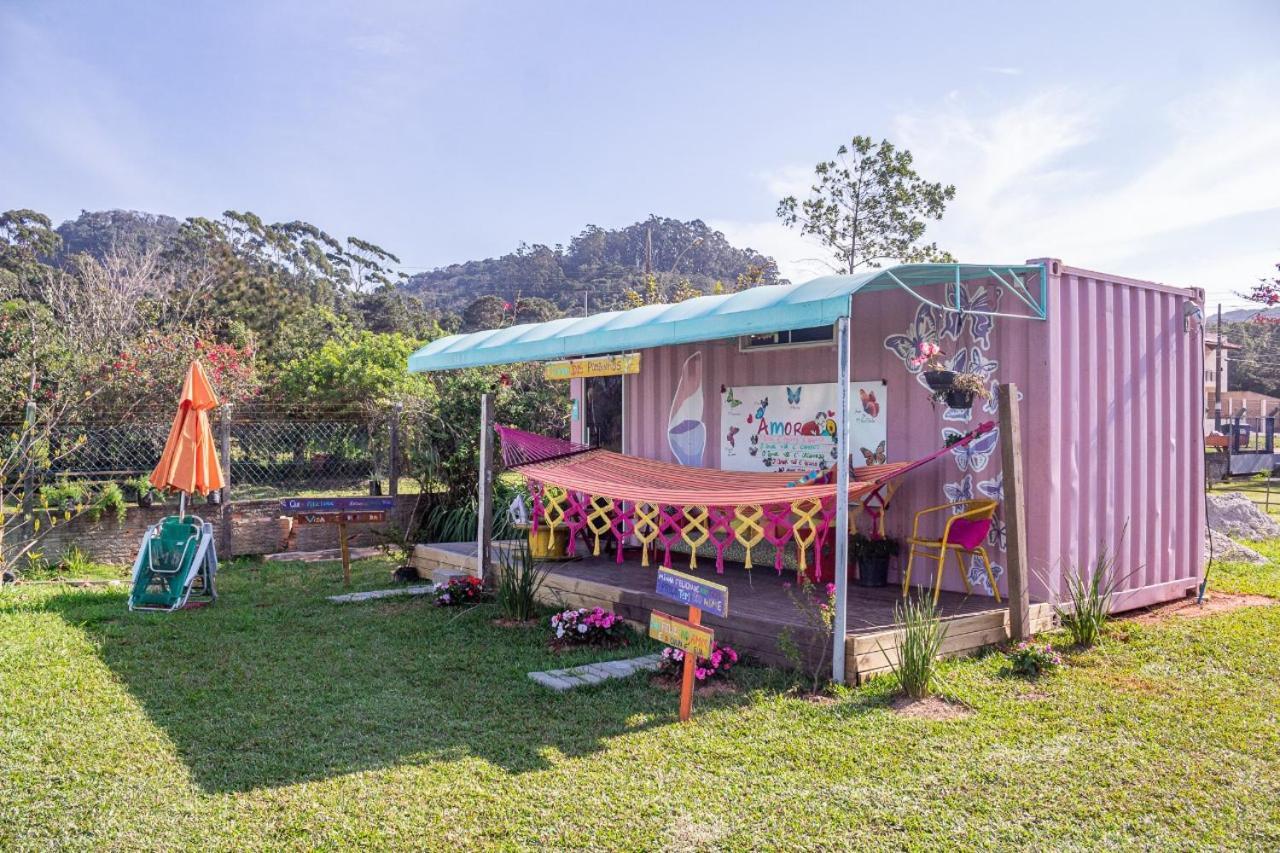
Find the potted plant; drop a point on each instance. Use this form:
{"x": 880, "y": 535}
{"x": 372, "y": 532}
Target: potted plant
{"x": 140, "y": 490}
{"x": 936, "y": 374}
{"x": 964, "y": 387}
{"x": 872, "y": 556}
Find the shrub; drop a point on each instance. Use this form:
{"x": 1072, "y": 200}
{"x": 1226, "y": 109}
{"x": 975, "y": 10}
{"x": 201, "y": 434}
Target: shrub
{"x": 585, "y": 627}
{"x": 64, "y": 494}
{"x": 922, "y": 633}
{"x": 1090, "y": 597}
{"x": 110, "y": 499}
{"x": 460, "y": 590}
{"x": 817, "y": 610}
{"x": 519, "y": 579}
{"x": 1030, "y": 660}
{"x": 717, "y": 666}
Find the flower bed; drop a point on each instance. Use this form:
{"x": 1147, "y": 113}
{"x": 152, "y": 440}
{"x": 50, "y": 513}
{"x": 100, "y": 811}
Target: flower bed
{"x": 583, "y": 627}
{"x": 459, "y": 591}
{"x": 1030, "y": 660}
{"x": 715, "y": 667}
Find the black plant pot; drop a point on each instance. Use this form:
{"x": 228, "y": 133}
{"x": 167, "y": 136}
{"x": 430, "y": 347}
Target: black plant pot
{"x": 939, "y": 380}
{"x": 873, "y": 571}
{"x": 957, "y": 399}
{"x": 147, "y": 498}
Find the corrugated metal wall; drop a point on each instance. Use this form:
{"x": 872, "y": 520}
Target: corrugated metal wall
{"x": 1111, "y": 419}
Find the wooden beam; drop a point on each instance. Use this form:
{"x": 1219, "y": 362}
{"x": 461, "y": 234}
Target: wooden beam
{"x": 484, "y": 498}
{"x": 1015, "y": 513}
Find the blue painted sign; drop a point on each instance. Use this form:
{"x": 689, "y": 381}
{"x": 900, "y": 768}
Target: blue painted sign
{"x": 694, "y": 592}
{"x": 337, "y": 504}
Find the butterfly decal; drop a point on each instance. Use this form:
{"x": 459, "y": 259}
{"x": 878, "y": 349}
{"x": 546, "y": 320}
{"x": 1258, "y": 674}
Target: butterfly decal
{"x": 993, "y": 488}
{"x": 733, "y": 401}
{"x": 978, "y": 574}
{"x": 922, "y": 330}
{"x": 733, "y": 431}
{"x": 878, "y": 457}
{"x": 869, "y": 403}
{"x": 997, "y": 536}
{"x": 961, "y": 491}
{"x": 975, "y": 455}
{"x": 760, "y": 407}
{"x": 981, "y": 299}
{"x": 793, "y": 394}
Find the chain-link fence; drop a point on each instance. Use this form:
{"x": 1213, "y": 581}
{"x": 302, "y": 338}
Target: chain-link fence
{"x": 266, "y": 455}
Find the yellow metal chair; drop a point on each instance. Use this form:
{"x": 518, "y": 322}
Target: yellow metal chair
{"x": 963, "y": 534}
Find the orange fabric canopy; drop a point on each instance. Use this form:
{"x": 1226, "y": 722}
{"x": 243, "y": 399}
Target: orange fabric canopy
{"x": 189, "y": 462}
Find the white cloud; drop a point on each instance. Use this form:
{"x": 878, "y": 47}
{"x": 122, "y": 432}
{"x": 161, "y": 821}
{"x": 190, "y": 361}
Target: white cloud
{"x": 1062, "y": 173}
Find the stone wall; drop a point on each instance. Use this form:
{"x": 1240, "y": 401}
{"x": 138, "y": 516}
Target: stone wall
{"x": 255, "y": 530}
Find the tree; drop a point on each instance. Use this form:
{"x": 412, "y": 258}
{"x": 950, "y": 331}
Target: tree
{"x": 487, "y": 312}
{"x": 869, "y": 205}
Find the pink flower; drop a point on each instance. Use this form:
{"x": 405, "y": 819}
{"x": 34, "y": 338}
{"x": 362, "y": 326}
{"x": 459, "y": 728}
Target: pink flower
{"x": 700, "y": 673}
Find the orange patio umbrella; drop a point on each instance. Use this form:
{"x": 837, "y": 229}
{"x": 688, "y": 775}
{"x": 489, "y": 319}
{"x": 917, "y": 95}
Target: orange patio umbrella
{"x": 189, "y": 463}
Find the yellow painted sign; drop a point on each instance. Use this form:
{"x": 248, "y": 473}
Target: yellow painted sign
{"x": 680, "y": 633}
{"x": 580, "y": 368}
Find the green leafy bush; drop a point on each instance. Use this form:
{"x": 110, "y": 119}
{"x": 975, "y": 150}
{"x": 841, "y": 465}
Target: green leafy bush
{"x": 922, "y": 633}
{"x": 1090, "y": 595}
{"x": 520, "y": 577}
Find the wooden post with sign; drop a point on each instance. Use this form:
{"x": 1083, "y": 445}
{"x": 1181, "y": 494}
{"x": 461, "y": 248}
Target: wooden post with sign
{"x": 339, "y": 512}
{"x": 688, "y": 635}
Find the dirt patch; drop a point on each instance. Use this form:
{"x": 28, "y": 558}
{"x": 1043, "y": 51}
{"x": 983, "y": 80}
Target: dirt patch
{"x": 1033, "y": 696}
{"x": 1186, "y": 608}
{"x": 504, "y": 622}
{"x": 671, "y": 684}
{"x": 930, "y": 708}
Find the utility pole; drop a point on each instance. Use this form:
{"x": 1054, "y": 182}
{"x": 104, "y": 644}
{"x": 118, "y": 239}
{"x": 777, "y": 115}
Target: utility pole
{"x": 648, "y": 252}
{"x": 1217, "y": 376}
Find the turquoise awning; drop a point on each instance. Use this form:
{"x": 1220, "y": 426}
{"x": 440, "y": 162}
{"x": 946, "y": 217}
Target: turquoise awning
{"x": 760, "y": 309}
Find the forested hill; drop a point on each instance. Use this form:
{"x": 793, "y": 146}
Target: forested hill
{"x": 601, "y": 261}
{"x": 604, "y": 262}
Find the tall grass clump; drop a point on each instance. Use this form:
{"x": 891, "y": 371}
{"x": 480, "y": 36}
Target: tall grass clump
{"x": 921, "y": 633}
{"x": 1090, "y": 593}
{"x": 520, "y": 577}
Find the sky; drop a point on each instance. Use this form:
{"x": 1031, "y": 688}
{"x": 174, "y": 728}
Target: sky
{"x": 1141, "y": 139}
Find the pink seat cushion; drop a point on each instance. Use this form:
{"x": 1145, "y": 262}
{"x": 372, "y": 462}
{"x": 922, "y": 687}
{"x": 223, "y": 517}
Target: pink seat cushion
{"x": 969, "y": 533}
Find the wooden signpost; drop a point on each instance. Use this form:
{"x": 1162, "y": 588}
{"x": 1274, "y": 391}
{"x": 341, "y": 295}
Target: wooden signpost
{"x": 336, "y": 511}
{"x": 688, "y": 634}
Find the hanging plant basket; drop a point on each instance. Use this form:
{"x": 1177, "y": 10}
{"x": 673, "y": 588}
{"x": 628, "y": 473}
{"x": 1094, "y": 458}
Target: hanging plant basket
{"x": 958, "y": 399}
{"x": 939, "y": 380}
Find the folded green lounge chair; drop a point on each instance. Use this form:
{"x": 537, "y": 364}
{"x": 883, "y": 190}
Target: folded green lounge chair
{"x": 177, "y": 557}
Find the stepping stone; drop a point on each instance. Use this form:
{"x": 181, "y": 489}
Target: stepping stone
{"x": 561, "y": 680}
{"x": 350, "y": 597}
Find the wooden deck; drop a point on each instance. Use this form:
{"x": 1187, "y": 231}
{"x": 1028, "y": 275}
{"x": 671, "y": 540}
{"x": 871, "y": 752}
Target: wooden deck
{"x": 760, "y": 607}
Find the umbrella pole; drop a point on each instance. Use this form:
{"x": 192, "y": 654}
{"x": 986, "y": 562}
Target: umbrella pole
{"x": 182, "y": 504}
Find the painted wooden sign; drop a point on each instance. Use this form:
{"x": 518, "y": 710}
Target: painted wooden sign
{"x": 680, "y": 633}
{"x": 693, "y": 591}
{"x": 373, "y": 517}
{"x": 356, "y": 504}
{"x": 579, "y": 368}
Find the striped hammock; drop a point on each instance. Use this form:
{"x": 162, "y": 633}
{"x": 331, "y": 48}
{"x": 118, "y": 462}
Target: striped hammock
{"x": 598, "y": 493}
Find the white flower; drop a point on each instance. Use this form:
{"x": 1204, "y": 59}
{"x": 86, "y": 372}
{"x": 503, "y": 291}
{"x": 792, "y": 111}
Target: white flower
{"x": 582, "y": 629}
{"x": 559, "y": 632}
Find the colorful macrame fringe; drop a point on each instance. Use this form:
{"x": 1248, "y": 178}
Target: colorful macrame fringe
{"x": 597, "y": 494}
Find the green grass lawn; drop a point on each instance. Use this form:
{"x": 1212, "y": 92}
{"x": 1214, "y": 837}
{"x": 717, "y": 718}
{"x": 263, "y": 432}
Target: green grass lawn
{"x": 275, "y": 719}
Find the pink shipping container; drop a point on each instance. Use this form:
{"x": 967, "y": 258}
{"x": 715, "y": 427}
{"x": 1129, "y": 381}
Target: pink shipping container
{"x": 1111, "y": 409}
